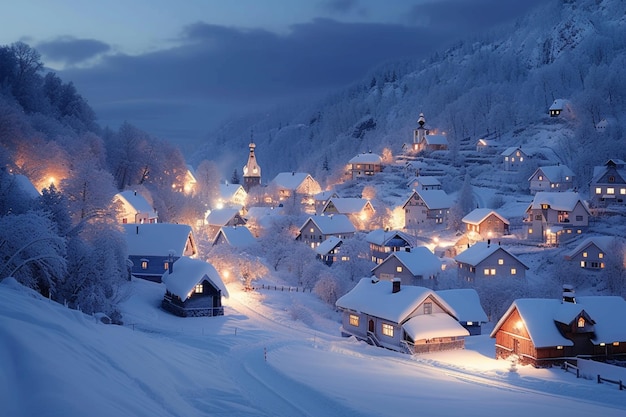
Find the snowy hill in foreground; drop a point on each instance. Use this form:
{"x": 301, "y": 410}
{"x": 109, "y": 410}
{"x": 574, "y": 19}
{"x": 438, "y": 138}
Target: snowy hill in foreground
{"x": 254, "y": 361}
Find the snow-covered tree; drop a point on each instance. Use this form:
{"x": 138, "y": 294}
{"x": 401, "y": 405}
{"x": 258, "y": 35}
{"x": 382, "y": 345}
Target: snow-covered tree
{"x": 90, "y": 192}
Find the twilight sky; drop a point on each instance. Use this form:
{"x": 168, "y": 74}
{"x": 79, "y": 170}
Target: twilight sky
{"x": 178, "y": 68}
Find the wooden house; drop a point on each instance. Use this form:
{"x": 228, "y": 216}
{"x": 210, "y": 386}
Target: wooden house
{"x": 466, "y": 304}
{"x": 608, "y": 184}
{"x": 560, "y": 107}
{"x": 484, "y": 260}
{"x": 298, "y": 186}
{"x": 231, "y": 195}
{"x": 426, "y": 210}
{"x": 359, "y": 210}
{"x": 486, "y": 223}
{"x": 403, "y": 318}
{"x": 193, "y": 288}
{"x": 424, "y": 182}
{"x": 413, "y": 266}
{"x": 322, "y": 198}
{"x": 544, "y": 332}
{"x": 150, "y": 246}
{"x": 219, "y": 218}
{"x": 133, "y": 208}
{"x": 190, "y": 182}
{"x": 329, "y": 251}
{"x": 238, "y": 237}
{"x": 384, "y": 242}
{"x": 556, "y": 217}
{"x": 591, "y": 253}
{"x": 486, "y": 146}
{"x": 365, "y": 165}
{"x": 317, "y": 229}
{"x": 551, "y": 178}
{"x": 514, "y": 158}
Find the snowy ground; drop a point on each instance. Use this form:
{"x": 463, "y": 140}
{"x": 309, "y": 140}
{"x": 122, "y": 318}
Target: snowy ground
{"x": 272, "y": 354}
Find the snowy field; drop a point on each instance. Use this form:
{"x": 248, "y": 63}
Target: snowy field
{"x": 272, "y": 354}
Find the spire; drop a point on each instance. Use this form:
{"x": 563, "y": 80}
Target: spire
{"x": 251, "y": 171}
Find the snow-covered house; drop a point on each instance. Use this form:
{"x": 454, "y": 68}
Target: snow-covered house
{"x": 608, "y": 185}
{"x": 424, "y": 140}
{"x": 466, "y": 304}
{"x": 24, "y": 184}
{"x": 404, "y": 318}
{"x": 542, "y": 332}
{"x": 592, "y": 252}
{"x": 486, "y": 222}
{"x": 295, "y": 185}
{"x": 551, "y": 178}
{"x": 383, "y": 242}
{"x": 514, "y": 158}
{"x": 365, "y": 165}
{"x": 134, "y": 208}
{"x": 486, "y": 146}
{"x": 413, "y": 266}
{"x": 259, "y": 217}
{"x": 317, "y": 229}
{"x": 426, "y": 209}
{"x": 358, "y": 210}
{"x": 559, "y": 106}
{"x": 320, "y": 199}
{"x": 486, "y": 260}
{"x": 189, "y": 187}
{"x": 223, "y": 217}
{"x": 150, "y": 246}
{"x": 193, "y": 288}
{"x": 236, "y": 236}
{"x": 329, "y": 251}
{"x": 424, "y": 182}
{"x": 231, "y": 195}
{"x": 556, "y": 217}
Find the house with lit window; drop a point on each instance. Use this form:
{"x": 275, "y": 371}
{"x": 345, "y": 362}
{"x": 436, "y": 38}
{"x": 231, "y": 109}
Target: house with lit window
{"x": 384, "y": 242}
{"x": 219, "y": 218}
{"x": 544, "y": 332}
{"x": 466, "y": 304}
{"x": 412, "y": 266}
{"x": 424, "y": 182}
{"x": 231, "y": 195}
{"x": 329, "y": 251}
{"x": 133, "y": 208}
{"x": 591, "y": 253}
{"x": 514, "y": 158}
{"x": 191, "y": 181}
{"x": 359, "y": 210}
{"x": 484, "y": 260}
{"x": 425, "y": 139}
{"x": 365, "y": 165}
{"x": 486, "y": 146}
{"x": 193, "y": 288}
{"x": 151, "y": 245}
{"x": 404, "y": 318}
{"x": 322, "y": 198}
{"x": 554, "y": 217}
{"x": 317, "y": 229}
{"x": 551, "y": 178}
{"x": 299, "y": 186}
{"x": 608, "y": 185}
{"x": 426, "y": 210}
{"x": 560, "y": 107}
{"x": 487, "y": 223}
{"x": 238, "y": 237}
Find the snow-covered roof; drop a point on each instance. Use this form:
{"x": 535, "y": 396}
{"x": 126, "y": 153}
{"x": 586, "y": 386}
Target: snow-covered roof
{"x": 466, "y": 304}
{"x": 333, "y": 224}
{"x": 600, "y": 170}
{"x": 228, "y": 191}
{"x": 555, "y": 173}
{"x": 236, "y": 236}
{"x": 136, "y": 201}
{"x": 480, "y": 251}
{"x": 429, "y": 326}
{"x": 156, "y": 239}
{"x": 187, "y": 273}
{"x": 381, "y": 237}
{"x": 349, "y": 205}
{"x": 220, "y": 217}
{"x": 602, "y": 242}
{"x": 366, "y": 158}
{"x": 558, "y": 104}
{"x": 434, "y": 199}
{"x": 291, "y": 180}
{"x": 435, "y": 139}
{"x": 539, "y": 316}
{"x": 511, "y": 150}
{"x": 325, "y": 195}
{"x": 26, "y": 185}
{"x": 328, "y": 245}
{"x": 376, "y": 298}
{"x": 486, "y": 142}
{"x": 419, "y": 261}
{"x": 478, "y": 215}
{"x": 564, "y": 201}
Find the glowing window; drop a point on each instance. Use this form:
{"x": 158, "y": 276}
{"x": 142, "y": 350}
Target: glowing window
{"x": 600, "y": 255}
{"x": 493, "y": 271}
{"x": 144, "y": 264}
{"x": 486, "y": 271}
{"x": 583, "y": 264}
{"x": 388, "y": 329}
{"x": 345, "y": 258}
{"x": 500, "y": 261}
{"x": 581, "y": 322}
{"x": 198, "y": 289}
{"x": 513, "y": 271}
{"x": 610, "y": 190}
{"x": 354, "y": 320}
{"x": 622, "y": 191}
{"x": 530, "y": 231}
{"x": 540, "y": 178}
{"x": 559, "y": 347}
{"x": 398, "y": 269}
{"x": 521, "y": 158}
{"x": 545, "y": 206}
{"x": 311, "y": 230}
{"x": 615, "y": 343}
{"x": 584, "y": 254}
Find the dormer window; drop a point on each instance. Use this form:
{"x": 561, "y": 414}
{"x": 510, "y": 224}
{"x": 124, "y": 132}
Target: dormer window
{"x": 545, "y": 206}
{"x": 581, "y": 322}
{"x": 198, "y": 289}
{"x": 611, "y": 178}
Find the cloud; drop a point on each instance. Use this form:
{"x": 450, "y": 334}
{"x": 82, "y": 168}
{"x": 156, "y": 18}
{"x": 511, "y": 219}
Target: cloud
{"x": 340, "y": 6}
{"x": 71, "y": 51}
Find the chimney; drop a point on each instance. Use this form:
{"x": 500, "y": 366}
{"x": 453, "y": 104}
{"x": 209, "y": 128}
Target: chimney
{"x": 137, "y": 230}
{"x": 568, "y": 294}
{"x": 395, "y": 285}
{"x": 488, "y": 242}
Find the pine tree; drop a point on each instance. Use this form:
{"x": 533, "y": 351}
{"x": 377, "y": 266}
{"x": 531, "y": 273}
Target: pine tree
{"x": 235, "y": 177}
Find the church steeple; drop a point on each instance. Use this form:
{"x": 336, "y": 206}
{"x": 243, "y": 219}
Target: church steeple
{"x": 251, "y": 171}
{"x": 421, "y": 131}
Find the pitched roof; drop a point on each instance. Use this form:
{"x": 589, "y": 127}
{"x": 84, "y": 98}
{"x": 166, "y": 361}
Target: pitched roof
{"x": 228, "y": 191}
{"x": 291, "y": 180}
{"x": 555, "y": 173}
{"x": 618, "y": 164}
{"x": 478, "y": 215}
{"x": 26, "y": 185}
{"x": 376, "y": 298}
{"x": 219, "y": 217}
{"x": 419, "y": 261}
{"x": 382, "y": 237}
{"x": 137, "y": 201}
{"x": 429, "y": 326}
{"x": 480, "y": 251}
{"x": 511, "y": 150}
{"x": 187, "y": 273}
{"x": 236, "y": 236}
{"x": 366, "y": 158}
{"x": 558, "y": 104}
{"x": 435, "y": 139}
{"x": 325, "y": 195}
{"x": 349, "y": 205}
{"x": 466, "y": 303}
{"x": 328, "y": 245}
{"x": 602, "y": 242}
{"x": 434, "y": 199}
{"x": 332, "y": 225}
{"x": 156, "y": 239}
{"x": 564, "y": 201}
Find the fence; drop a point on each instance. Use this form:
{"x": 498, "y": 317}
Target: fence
{"x": 589, "y": 369}
{"x": 278, "y": 288}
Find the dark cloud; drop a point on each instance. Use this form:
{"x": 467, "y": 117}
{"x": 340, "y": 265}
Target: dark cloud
{"x": 340, "y": 6}
{"x": 72, "y": 51}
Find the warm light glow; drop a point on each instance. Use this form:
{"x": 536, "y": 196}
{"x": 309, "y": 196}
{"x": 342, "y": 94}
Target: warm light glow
{"x": 519, "y": 325}
{"x": 52, "y": 180}
{"x": 226, "y": 274}
{"x": 220, "y": 205}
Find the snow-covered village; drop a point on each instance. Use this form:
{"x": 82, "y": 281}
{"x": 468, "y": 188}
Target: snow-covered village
{"x": 443, "y": 235}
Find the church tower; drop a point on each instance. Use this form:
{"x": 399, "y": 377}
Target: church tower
{"x": 251, "y": 171}
{"x": 420, "y": 133}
